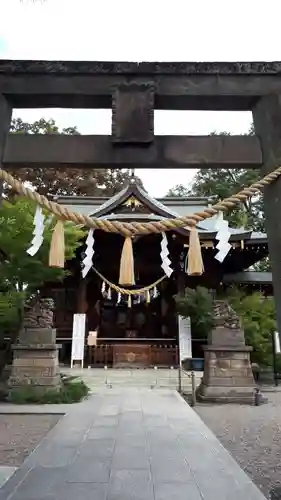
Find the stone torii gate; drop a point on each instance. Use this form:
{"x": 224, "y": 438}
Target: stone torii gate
{"x": 133, "y": 91}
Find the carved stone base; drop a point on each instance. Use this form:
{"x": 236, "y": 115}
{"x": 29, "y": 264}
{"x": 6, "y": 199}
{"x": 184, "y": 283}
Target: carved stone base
{"x": 228, "y": 376}
{"x": 35, "y": 361}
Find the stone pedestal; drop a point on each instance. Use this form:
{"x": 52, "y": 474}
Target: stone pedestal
{"x": 35, "y": 361}
{"x": 228, "y": 376}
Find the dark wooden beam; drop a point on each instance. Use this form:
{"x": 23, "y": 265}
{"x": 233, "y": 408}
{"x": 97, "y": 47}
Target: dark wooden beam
{"x": 99, "y": 152}
{"x": 5, "y": 121}
{"x": 182, "y": 85}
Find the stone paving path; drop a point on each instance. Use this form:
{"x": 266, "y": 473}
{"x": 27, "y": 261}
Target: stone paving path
{"x": 130, "y": 444}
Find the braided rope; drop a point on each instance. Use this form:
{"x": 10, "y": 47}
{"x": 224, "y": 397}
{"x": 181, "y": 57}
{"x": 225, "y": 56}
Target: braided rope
{"x": 125, "y": 291}
{"x": 133, "y": 228}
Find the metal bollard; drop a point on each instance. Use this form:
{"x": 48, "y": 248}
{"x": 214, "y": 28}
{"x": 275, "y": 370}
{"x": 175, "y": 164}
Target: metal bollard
{"x": 257, "y": 397}
{"x": 193, "y": 389}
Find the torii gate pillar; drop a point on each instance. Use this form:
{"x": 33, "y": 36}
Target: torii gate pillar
{"x": 267, "y": 121}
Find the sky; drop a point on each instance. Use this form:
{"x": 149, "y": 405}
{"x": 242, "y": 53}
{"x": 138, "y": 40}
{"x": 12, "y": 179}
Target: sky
{"x": 150, "y": 30}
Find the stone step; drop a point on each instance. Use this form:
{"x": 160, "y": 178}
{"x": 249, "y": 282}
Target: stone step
{"x": 141, "y": 378}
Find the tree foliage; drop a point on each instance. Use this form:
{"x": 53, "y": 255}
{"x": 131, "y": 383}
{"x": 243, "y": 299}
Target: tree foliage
{"x": 258, "y": 317}
{"x": 67, "y": 180}
{"x": 198, "y": 305}
{"x": 222, "y": 183}
{"x": 20, "y": 274}
{"x": 19, "y": 270}
{"x": 256, "y": 311}
{"x": 179, "y": 191}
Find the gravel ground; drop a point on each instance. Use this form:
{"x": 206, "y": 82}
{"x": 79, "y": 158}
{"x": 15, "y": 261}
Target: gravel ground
{"x": 252, "y": 435}
{"x": 20, "y": 434}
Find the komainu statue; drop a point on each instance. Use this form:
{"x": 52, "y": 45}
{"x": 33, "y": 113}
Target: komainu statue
{"x": 224, "y": 316}
{"x": 38, "y": 313}
{"x": 227, "y": 374}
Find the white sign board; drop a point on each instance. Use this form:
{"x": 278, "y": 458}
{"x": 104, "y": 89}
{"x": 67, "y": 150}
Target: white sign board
{"x": 78, "y": 338}
{"x": 185, "y": 338}
{"x": 277, "y": 343}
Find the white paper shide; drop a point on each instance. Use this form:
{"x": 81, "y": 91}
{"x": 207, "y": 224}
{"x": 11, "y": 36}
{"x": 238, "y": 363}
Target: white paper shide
{"x": 89, "y": 253}
{"x": 222, "y": 237}
{"x": 38, "y": 232}
{"x": 164, "y": 254}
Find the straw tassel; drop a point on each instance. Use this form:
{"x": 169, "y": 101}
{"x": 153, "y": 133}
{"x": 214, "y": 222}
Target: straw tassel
{"x": 148, "y": 297}
{"x": 129, "y": 301}
{"x": 195, "y": 261}
{"x": 56, "y": 255}
{"x": 127, "y": 273}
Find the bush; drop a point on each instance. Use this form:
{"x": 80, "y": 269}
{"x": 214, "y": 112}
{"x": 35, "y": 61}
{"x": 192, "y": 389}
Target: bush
{"x": 198, "y": 305}
{"x": 259, "y": 322}
{"x": 71, "y": 391}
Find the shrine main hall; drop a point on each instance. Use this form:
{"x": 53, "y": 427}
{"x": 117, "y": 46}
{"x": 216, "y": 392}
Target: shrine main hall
{"x": 149, "y": 329}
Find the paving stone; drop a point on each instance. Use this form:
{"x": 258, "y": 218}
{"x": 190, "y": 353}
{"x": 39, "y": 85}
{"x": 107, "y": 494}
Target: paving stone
{"x": 130, "y": 485}
{"x": 86, "y": 470}
{"x": 79, "y": 491}
{"x": 97, "y": 448}
{"x": 105, "y": 421}
{"x": 170, "y": 470}
{"x": 129, "y": 457}
{"x": 37, "y": 484}
{"x": 102, "y": 433}
{"x": 177, "y": 491}
{"x": 52, "y": 455}
{"x": 6, "y": 473}
{"x": 134, "y": 439}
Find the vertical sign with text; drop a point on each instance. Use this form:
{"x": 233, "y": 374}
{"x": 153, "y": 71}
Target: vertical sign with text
{"x": 78, "y": 338}
{"x": 185, "y": 346}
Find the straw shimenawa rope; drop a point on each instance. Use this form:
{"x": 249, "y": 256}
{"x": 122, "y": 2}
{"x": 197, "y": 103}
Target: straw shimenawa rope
{"x": 132, "y": 228}
{"x": 125, "y": 291}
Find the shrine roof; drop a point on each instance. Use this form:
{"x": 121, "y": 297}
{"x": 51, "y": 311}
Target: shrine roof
{"x": 157, "y": 209}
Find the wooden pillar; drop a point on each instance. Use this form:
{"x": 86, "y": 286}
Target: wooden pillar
{"x": 181, "y": 274}
{"x": 82, "y": 304}
{"x": 5, "y": 122}
{"x": 267, "y": 121}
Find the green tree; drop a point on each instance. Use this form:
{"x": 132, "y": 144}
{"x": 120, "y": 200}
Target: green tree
{"x": 222, "y": 183}
{"x": 197, "y": 304}
{"x": 20, "y": 274}
{"x": 67, "y": 180}
{"x": 179, "y": 191}
{"x": 259, "y": 322}
{"x": 20, "y": 271}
